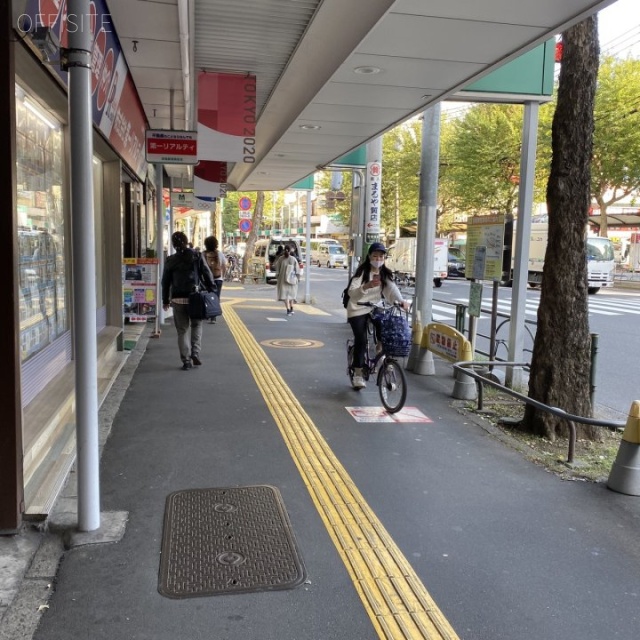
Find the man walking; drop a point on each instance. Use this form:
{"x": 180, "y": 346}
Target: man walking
{"x": 179, "y": 279}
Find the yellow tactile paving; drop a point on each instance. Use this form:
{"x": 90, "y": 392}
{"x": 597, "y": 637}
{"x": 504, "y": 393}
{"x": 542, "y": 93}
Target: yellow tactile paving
{"x": 396, "y": 601}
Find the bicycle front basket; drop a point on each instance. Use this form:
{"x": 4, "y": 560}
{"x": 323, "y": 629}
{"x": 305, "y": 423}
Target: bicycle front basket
{"x": 395, "y": 333}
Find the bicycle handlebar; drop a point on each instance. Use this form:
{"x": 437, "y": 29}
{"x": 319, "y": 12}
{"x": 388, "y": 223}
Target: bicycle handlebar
{"x": 380, "y": 305}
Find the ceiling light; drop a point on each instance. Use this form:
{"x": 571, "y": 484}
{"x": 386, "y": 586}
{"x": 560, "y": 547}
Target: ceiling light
{"x": 36, "y": 112}
{"x": 367, "y": 70}
{"x": 310, "y": 127}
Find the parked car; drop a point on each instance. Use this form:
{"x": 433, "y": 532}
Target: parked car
{"x": 456, "y": 264}
{"x": 264, "y": 254}
{"x": 332, "y": 256}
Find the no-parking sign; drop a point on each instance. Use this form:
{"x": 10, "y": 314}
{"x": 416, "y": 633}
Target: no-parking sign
{"x": 245, "y": 225}
{"x": 244, "y": 203}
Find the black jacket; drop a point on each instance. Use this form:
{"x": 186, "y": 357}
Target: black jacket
{"x": 179, "y": 275}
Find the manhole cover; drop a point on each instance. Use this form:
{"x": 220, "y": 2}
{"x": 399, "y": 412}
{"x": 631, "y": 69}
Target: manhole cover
{"x": 293, "y": 343}
{"x": 228, "y": 540}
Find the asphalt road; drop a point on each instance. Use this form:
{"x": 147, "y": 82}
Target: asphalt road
{"x": 613, "y": 316}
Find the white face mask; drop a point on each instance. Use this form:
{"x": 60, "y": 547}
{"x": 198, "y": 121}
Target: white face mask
{"x": 377, "y": 263}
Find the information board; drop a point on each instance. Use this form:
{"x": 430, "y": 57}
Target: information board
{"x": 139, "y": 288}
{"x": 488, "y": 232}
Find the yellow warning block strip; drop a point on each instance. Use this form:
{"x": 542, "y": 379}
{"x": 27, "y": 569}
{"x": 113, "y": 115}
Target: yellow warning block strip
{"x": 396, "y": 601}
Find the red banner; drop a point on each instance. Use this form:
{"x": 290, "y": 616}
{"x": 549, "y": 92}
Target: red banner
{"x": 226, "y": 117}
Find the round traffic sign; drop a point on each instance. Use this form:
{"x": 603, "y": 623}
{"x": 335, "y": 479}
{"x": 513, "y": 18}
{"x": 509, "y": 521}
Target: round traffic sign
{"x": 245, "y": 203}
{"x": 245, "y": 225}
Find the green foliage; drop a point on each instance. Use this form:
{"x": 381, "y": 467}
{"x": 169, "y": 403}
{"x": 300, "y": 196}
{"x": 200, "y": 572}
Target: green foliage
{"x": 400, "y": 174}
{"x": 341, "y": 209}
{"x": 484, "y": 158}
{"x": 616, "y": 156}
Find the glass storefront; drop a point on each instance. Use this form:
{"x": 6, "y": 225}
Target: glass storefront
{"x": 41, "y": 228}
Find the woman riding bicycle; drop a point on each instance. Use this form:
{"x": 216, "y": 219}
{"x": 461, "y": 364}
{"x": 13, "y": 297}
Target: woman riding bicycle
{"x": 371, "y": 282}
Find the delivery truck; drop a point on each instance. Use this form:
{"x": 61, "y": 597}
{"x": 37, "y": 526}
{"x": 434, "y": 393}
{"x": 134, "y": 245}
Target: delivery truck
{"x": 600, "y": 258}
{"x": 401, "y": 259}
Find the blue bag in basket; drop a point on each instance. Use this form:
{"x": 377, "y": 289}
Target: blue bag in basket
{"x": 395, "y": 333}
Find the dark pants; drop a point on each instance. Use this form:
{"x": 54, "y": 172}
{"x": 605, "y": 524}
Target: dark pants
{"x": 218, "y": 284}
{"x": 359, "y": 328}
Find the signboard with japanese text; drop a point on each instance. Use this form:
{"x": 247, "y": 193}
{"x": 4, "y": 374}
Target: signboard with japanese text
{"x": 139, "y": 288}
{"x": 488, "y": 232}
{"x": 171, "y": 146}
{"x": 373, "y": 202}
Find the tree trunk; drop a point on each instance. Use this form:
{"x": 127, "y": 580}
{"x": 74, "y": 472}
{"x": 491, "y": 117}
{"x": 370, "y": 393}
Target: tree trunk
{"x": 258, "y": 211}
{"x": 560, "y": 364}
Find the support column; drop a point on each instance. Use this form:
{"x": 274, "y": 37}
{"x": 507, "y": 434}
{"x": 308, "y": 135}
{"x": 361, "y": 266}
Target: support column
{"x": 84, "y": 266}
{"x": 11, "y": 468}
{"x": 427, "y": 213}
{"x": 513, "y": 376}
{"x": 160, "y": 313}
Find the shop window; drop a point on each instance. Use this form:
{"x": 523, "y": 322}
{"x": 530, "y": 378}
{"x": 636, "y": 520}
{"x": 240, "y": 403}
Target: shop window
{"x": 41, "y": 228}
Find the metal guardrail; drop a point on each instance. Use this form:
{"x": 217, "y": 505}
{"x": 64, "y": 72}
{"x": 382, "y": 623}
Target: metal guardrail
{"x": 466, "y": 368}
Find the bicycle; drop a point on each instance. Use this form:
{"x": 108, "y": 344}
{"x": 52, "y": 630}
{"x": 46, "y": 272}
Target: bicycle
{"x": 391, "y": 380}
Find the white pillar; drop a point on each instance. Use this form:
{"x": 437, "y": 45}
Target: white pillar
{"x": 84, "y": 266}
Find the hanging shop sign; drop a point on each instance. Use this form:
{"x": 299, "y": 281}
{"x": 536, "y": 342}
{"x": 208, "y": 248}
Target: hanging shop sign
{"x": 171, "y": 146}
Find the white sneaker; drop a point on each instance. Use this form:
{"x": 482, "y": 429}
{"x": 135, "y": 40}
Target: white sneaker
{"x": 358, "y": 382}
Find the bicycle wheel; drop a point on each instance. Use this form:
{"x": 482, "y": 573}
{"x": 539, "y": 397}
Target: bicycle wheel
{"x": 392, "y": 385}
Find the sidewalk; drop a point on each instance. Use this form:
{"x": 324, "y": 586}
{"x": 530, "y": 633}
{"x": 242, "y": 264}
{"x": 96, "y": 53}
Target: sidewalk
{"x": 505, "y": 549}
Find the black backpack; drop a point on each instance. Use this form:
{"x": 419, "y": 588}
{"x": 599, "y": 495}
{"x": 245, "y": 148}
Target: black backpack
{"x": 345, "y": 293}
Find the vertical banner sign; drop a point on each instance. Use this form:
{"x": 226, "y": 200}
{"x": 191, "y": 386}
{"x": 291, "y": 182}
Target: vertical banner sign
{"x": 226, "y": 117}
{"x": 372, "y": 209}
{"x": 209, "y": 181}
{"x": 226, "y": 129}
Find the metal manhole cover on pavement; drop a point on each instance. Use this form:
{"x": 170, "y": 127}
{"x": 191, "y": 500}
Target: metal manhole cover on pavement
{"x": 227, "y": 540}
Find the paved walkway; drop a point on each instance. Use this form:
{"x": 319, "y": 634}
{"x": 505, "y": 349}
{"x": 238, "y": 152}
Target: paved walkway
{"x": 485, "y": 544}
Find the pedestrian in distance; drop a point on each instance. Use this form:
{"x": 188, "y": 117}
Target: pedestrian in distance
{"x": 217, "y": 263}
{"x": 287, "y": 275}
{"x": 370, "y": 283}
{"x": 179, "y": 279}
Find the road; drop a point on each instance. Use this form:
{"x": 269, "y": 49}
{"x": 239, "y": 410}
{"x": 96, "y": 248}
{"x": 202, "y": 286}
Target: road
{"x": 613, "y": 315}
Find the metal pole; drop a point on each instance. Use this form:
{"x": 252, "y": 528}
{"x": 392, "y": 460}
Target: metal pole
{"x": 494, "y": 322}
{"x": 307, "y": 257}
{"x": 427, "y": 212}
{"x": 513, "y": 376}
{"x": 84, "y": 266}
{"x": 159, "y": 245}
{"x": 592, "y": 373}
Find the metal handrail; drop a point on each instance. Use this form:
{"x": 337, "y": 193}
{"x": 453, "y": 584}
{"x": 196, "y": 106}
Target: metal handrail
{"x": 466, "y": 368}
{"x": 499, "y": 314}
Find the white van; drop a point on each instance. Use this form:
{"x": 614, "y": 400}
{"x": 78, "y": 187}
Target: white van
{"x": 331, "y": 256}
{"x": 317, "y": 244}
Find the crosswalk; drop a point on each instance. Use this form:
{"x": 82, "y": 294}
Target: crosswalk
{"x": 602, "y": 306}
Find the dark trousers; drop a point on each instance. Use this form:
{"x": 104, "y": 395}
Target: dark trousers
{"x": 359, "y": 328}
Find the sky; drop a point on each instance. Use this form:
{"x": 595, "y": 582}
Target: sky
{"x": 619, "y": 28}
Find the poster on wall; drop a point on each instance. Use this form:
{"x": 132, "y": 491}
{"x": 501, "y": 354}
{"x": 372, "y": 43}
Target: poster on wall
{"x": 139, "y": 289}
